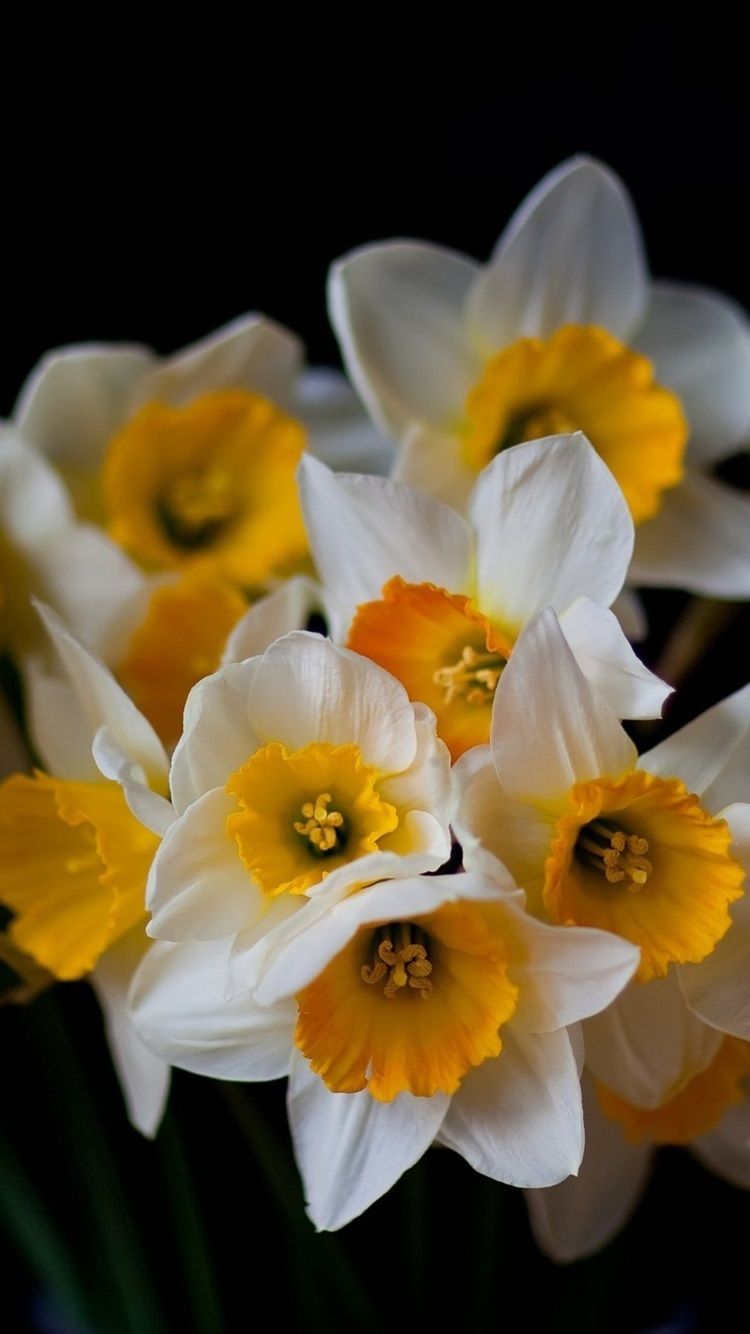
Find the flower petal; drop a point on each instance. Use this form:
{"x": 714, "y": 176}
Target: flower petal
{"x": 77, "y": 397}
{"x": 153, "y": 810}
{"x": 432, "y": 461}
{"x": 351, "y": 1149}
{"x": 364, "y": 530}
{"x": 57, "y": 723}
{"x": 198, "y": 889}
{"x": 307, "y": 689}
{"x": 288, "y": 607}
{"x": 726, "y": 1150}
{"x": 711, "y": 754}
{"x": 250, "y": 352}
{"x": 552, "y": 525}
{"x": 91, "y": 584}
{"x": 571, "y": 254}
{"x": 490, "y": 824}
{"x": 180, "y": 1011}
{"x": 339, "y": 431}
{"x": 609, "y": 663}
{"x": 699, "y": 342}
{"x": 143, "y": 1076}
{"x": 217, "y": 737}
{"x": 397, "y": 309}
{"x": 648, "y": 1044}
{"x": 518, "y": 1118}
{"x": 34, "y": 504}
{"x": 580, "y": 1215}
{"x": 550, "y": 728}
{"x": 700, "y": 541}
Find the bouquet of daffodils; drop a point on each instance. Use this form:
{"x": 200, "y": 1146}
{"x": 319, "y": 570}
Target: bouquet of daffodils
{"x": 324, "y": 683}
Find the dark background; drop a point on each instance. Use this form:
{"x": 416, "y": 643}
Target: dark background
{"x": 152, "y": 198}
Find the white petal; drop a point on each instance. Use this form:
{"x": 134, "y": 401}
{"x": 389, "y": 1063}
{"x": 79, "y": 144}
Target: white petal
{"x": 582, "y": 1214}
{"x": 143, "y": 1076}
{"x": 153, "y": 810}
{"x": 425, "y": 789}
{"x": 339, "y": 431}
{"x": 550, "y": 728}
{"x": 92, "y": 585}
{"x": 105, "y": 704}
{"x": 217, "y": 737}
{"x": 700, "y": 541}
{"x": 252, "y": 945}
{"x": 711, "y": 754}
{"x": 551, "y": 525}
{"x": 490, "y": 823}
{"x": 251, "y": 352}
{"x": 431, "y": 460}
{"x": 572, "y": 254}
{"x": 397, "y": 309}
{"x": 198, "y": 889}
{"x": 566, "y": 975}
{"x": 351, "y": 1149}
{"x": 180, "y": 1011}
{"x": 288, "y": 607}
{"x": 699, "y": 342}
{"x": 364, "y": 530}
{"x": 307, "y": 689}
{"x": 609, "y": 663}
{"x": 34, "y": 504}
{"x": 726, "y": 1150}
{"x": 518, "y": 1118}
{"x": 647, "y": 1044}
{"x": 57, "y": 722}
{"x": 77, "y": 397}
{"x": 324, "y": 926}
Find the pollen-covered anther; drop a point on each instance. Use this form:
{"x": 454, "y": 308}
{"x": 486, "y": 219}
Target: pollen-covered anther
{"x": 617, "y": 855}
{"x": 322, "y": 828}
{"x": 196, "y": 502}
{"x": 473, "y": 678}
{"x": 405, "y": 966}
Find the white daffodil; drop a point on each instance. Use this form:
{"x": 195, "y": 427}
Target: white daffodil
{"x": 561, "y": 331}
{"x": 582, "y": 1214}
{"x": 304, "y": 771}
{"x": 653, "y": 848}
{"x": 431, "y": 1007}
{"x": 189, "y": 461}
{"x": 76, "y": 847}
{"x": 440, "y": 600}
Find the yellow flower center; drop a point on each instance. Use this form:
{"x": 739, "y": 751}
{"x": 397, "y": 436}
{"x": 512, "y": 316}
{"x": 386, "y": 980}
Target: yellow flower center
{"x": 209, "y": 486}
{"x": 180, "y": 640}
{"x": 443, "y": 651}
{"x": 694, "y": 1109}
{"x": 673, "y": 904}
{"x": 304, "y": 813}
{"x": 582, "y": 379}
{"x": 73, "y": 868}
{"x": 362, "y": 1023}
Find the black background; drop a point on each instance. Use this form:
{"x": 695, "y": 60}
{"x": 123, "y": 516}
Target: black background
{"x": 151, "y": 198}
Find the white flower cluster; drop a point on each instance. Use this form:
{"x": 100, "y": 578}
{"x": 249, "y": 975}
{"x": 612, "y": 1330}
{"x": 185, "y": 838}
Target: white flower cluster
{"x": 414, "y": 864}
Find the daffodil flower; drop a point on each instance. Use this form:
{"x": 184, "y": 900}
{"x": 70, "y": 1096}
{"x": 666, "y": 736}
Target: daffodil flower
{"x": 561, "y": 331}
{"x": 304, "y": 771}
{"x": 439, "y": 600}
{"x": 423, "y": 1008}
{"x": 189, "y": 461}
{"x": 653, "y": 848}
{"x": 74, "y": 857}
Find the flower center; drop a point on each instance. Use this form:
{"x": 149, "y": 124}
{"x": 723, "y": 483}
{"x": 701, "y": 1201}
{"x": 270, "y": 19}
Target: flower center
{"x": 582, "y": 379}
{"x": 194, "y": 507}
{"x": 473, "y": 677}
{"x": 400, "y": 955}
{"x": 324, "y": 830}
{"x": 616, "y": 855}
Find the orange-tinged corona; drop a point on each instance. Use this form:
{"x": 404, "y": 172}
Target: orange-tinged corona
{"x": 694, "y": 1109}
{"x": 582, "y": 379}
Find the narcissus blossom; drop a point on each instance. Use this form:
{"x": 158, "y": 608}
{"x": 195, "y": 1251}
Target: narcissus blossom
{"x": 74, "y": 859}
{"x": 653, "y": 848}
{"x": 416, "y": 1009}
{"x": 440, "y": 600}
{"x": 561, "y": 331}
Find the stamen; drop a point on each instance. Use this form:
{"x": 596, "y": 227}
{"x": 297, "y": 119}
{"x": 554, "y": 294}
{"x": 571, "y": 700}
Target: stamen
{"x": 405, "y": 966}
{"x": 616, "y": 855}
{"x": 194, "y": 506}
{"x": 323, "y": 829}
{"x": 474, "y": 677}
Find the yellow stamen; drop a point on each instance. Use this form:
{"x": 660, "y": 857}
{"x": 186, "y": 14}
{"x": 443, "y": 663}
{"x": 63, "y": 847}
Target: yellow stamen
{"x": 617, "y": 855}
{"x": 407, "y": 966}
{"x": 194, "y": 506}
{"x": 320, "y": 824}
{"x": 473, "y": 678}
